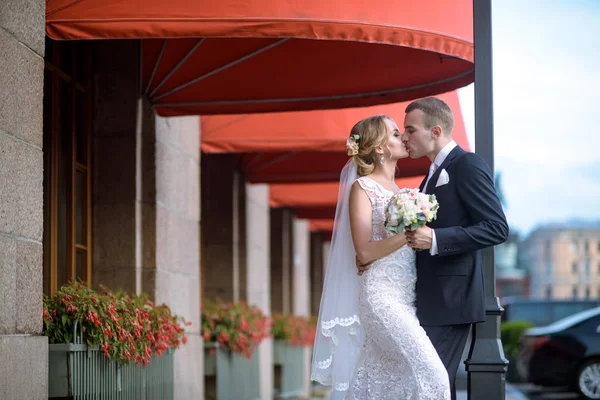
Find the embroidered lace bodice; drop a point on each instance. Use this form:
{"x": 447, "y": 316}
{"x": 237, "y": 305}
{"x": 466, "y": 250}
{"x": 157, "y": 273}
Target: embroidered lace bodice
{"x": 397, "y": 360}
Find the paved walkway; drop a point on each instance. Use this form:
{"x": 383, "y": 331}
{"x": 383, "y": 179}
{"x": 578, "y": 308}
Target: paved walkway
{"x": 512, "y": 393}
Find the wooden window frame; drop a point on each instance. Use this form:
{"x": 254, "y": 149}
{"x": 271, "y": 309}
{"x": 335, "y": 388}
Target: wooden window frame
{"x": 52, "y": 157}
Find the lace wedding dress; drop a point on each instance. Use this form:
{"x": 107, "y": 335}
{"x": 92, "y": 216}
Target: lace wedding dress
{"x": 397, "y": 360}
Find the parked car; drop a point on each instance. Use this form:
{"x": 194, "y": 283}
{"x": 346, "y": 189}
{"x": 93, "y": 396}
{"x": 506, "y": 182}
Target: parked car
{"x": 543, "y": 312}
{"x": 565, "y": 353}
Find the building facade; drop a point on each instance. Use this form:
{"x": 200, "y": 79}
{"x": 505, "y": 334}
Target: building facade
{"x": 563, "y": 261}
{"x": 95, "y": 186}
{"x": 511, "y": 279}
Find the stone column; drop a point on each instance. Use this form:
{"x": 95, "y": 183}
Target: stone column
{"x": 176, "y": 279}
{"x": 23, "y": 351}
{"x": 281, "y": 260}
{"x": 326, "y": 247}
{"x": 258, "y": 283}
{"x": 316, "y": 271}
{"x": 223, "y": 219}
{"x": 147, "y": 202}
{"x": 301, "y": 285}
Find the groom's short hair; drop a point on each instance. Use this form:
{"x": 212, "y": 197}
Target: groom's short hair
{"x": 436, "y": 112}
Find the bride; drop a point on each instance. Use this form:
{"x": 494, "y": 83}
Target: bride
{"x": 369, "y": 343}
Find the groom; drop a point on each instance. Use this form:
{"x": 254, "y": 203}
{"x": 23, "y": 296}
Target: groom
{"x": 449, "y": 289}
{"x": 450, "y": 293}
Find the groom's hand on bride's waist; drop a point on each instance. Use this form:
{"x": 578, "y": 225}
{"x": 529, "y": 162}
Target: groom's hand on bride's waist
{"x": 362, "y": 267}
{"x": 420, "y": 239}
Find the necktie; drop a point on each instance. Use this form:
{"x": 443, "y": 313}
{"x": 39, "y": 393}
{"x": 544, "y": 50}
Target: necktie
{"x": 432, "y": 168}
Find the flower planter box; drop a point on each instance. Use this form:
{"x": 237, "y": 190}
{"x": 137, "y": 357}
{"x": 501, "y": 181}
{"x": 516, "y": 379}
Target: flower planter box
{"x": 289, "y": 362}
{"x": 76, "y": 371}
{"x": 230, "y": 376}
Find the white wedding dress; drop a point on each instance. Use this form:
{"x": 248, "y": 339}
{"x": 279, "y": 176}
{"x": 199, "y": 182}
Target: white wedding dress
{"x": 397, "y": 360}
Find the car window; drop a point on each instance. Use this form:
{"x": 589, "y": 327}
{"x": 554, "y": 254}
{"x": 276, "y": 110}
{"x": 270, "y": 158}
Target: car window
{"x": 589, "y": 325}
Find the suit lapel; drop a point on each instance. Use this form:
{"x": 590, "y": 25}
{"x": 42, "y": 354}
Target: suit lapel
{"x": 451, "y": 156}
{"x": 422, "y": 185}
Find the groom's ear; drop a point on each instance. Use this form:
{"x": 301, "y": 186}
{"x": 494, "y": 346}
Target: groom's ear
{"x": 436, "y": 132}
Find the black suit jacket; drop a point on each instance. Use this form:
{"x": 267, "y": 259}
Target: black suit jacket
{"x": 470, "y": 218}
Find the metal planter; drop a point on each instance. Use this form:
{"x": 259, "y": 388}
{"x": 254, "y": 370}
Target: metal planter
{"x": 77, "y": 371}
{"x": 229, "y": 376}
{"x": 290, "y": 360}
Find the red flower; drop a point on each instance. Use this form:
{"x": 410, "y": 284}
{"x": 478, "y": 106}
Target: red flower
{"x": 236, "y": 327}
{"x": 127, "y": 328}
{"x": 243, "y": 324}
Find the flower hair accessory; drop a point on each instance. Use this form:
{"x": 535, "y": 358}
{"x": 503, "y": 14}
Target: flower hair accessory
{"x": 352, "y": 145}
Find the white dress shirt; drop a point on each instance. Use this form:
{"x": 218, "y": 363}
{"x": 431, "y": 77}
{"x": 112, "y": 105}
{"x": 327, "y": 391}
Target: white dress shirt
{"x": 439, "y": 159}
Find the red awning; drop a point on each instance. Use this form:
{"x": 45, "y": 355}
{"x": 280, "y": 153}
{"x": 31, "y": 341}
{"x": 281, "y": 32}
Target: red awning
{"x": 248, "y": 56}
{"x": 305, "y": 146}
{"x": 321, "y": 225}
{"x": 317, "y": 200}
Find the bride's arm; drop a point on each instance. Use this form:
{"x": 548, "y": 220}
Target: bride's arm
{"x": 361, "y": 212}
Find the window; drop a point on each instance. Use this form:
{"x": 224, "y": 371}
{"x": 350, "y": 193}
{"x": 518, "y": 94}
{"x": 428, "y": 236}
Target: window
{"x": 574, "y": 267}
{"x": 587, "y": 293}
{"x": 575, "y": 292}
{"x": 67, "y": 163}
{"x": 588, "y": 268}
{"x": 549, "y": 292}
{"x": 587, "y": 246}
{"x": 548, "y": 268}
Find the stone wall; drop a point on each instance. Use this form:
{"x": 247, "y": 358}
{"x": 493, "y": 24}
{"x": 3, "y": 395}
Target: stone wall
{"x": 23, "y": 351}
{"x": 223, "y": 239}
{"x": 114, "y": 141}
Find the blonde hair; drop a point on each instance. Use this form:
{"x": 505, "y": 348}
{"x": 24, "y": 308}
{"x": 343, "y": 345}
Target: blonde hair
{"x": 372, "y": 133}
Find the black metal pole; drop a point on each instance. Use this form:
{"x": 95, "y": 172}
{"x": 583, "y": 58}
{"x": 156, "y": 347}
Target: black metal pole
{"x": 486, "y": 364}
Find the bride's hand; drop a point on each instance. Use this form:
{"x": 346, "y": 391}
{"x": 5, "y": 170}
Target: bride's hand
{"x": 362, "y": 267}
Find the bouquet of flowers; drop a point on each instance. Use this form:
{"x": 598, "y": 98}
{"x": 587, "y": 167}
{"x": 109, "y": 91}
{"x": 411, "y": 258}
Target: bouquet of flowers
{"x": 410, "y": 209}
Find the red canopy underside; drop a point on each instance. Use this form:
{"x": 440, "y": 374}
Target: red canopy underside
{"x": 318, "y": 200}
{"x": 322, "y": 225}
{"x": 243, "y": 56}
{"x": 305, "y": 146}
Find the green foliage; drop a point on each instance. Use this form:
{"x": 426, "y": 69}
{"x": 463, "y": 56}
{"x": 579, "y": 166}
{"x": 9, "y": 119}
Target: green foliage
{"x": 511, "y": 333}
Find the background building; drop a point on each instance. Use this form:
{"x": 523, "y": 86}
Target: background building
{"x": 563, "y": 261}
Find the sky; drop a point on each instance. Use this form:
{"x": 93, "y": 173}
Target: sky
{"x": 546, "y": 61}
